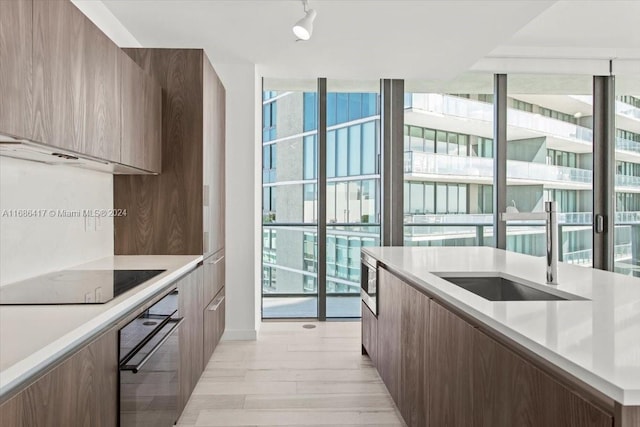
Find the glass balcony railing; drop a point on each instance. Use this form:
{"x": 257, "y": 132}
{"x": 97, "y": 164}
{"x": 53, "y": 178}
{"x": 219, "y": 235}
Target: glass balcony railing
{"x": 564, "y": 218}
{"x": 482, "y": 167}
{"x": 477, "y": 110}
{"x": 622, "y": 108}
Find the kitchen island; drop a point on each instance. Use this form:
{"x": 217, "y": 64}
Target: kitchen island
{"x": 451, "y": 357}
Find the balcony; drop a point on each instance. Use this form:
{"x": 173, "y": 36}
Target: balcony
{"x": 463, "y": 108}
{"x": 481, "y": 168}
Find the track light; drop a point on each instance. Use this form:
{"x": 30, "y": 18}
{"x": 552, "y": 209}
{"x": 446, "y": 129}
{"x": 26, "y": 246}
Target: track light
{"x": 304, "y": 27}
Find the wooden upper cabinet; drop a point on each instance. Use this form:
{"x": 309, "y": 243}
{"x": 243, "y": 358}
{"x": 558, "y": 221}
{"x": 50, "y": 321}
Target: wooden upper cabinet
{"x": 15, "y": 67}
{"x": 76, "y": 82}
{"x": 214, "y": 152}
{"x": 180, "y": 211}
{"x": 141, "y": 118}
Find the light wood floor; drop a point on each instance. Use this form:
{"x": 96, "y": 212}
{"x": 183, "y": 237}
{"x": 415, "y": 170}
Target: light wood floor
{"x": 292, "y": 376}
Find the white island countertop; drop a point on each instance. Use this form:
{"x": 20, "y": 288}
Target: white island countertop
{"x": 33, "y": 337}
{"x": 597, "y": 339}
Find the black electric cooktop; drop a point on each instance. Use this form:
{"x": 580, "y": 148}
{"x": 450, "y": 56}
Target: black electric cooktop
{"x": 74, "y": 287}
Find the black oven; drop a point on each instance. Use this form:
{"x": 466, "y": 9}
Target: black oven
{"x": 149, "y": 358}
{"x": 369, "y": 282}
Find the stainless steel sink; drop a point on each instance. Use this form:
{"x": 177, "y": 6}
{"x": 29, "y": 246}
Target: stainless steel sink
{"x": 496, "y": 288}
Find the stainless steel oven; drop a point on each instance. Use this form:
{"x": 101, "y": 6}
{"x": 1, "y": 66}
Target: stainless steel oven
{"x": 369, "y": 282}
{"x": 149, "y": 358}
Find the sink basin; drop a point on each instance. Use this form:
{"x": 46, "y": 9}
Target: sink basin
{"x": 496, "y": 288}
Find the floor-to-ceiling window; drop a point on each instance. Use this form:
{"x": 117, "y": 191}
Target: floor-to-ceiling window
{"x": 627, "y": 229}
{"x": 448, "y": 193}
{"x": 550, "y": 158}
{"x": 448, "y": 162}
{"x": 353, "y": 188}
{"x": 289, "y": 209}
{"x": 290, "y": 196}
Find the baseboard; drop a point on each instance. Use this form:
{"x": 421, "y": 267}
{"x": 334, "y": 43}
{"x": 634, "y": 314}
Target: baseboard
{"x": 240, "y": 335}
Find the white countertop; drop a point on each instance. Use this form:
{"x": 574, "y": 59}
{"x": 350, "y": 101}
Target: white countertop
{"x": 33, "y": 337}
{"x": 597, "y": 340}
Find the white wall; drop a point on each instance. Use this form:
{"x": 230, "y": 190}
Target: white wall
{"x": 244, "y": 200}
{"x": 37, "y": 245}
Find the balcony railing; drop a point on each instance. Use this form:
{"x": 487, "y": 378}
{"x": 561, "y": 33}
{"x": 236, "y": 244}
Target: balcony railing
{"x": 477, "y": 110}
{"x": 448, "y": 234}
{"x": 564, "y": 218}
{"x": 482, "y": 167}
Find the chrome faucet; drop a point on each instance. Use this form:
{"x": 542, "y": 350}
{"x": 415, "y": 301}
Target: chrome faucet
{"x": 550, "y": 217}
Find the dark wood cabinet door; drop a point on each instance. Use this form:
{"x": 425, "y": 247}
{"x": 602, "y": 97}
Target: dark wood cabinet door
{"x": 390, "y": 290}
{"x": 414, "y": 375}
{"x": 370, "y": 334}
{"x": 450, "y": 365}
{"x": 76, "y": 82}
{"x": 510, "y": 391}
{"x": 191, "y": 332}
{"x": 214, "y": 270}
{"x": 16, "y": 67}
{"x": 141, "y": 145}
{"x": 214, "y": 324}
{"x": 164, "y": 212}
{"x": 82, "y": 391}
{"x": 214, "y": 159}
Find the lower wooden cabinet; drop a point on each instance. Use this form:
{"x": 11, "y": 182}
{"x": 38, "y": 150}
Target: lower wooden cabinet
{"x": 213, "y": 276}
{"x": 214, "y": 324}
{"x": 414, "y": 357}
{"x": 369, "y": 334}
{"x": 191, "y": 332}
{"x": 82, "y": 391}
{"x": 442, "y": 371}
{"x": 510, "y": 391}
{"x": 450, "y": 369}
{"x": 389, "y": 300}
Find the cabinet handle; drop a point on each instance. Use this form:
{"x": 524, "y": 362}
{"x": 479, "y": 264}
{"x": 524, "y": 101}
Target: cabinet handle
{"x": 136, "y": 368}
{"x": 214, "y": 305}
{"x": 219, "y": 259}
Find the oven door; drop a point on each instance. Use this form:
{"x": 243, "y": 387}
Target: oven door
{"x": 369, "y": 283}
{"x": 149, "y": 346}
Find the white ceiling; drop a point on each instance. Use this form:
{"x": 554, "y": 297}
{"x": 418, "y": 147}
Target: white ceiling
{"x": 422, "y": 41}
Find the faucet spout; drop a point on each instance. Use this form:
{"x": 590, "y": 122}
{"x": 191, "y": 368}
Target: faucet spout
{"x": 550, "y": 217}
{"x": 552, "y": 242}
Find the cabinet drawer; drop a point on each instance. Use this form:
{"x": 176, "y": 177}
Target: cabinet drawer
{"x": 213, "y": 276}
{"x": 214, "y": 323}
{"x": 369, "y": 333}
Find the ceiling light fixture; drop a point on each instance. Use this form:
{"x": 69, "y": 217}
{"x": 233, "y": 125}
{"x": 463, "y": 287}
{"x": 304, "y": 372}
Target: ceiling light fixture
{"x": 304, "y": 27}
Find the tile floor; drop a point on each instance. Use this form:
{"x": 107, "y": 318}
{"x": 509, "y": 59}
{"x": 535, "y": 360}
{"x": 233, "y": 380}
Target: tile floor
{"x": 292, "y": 376}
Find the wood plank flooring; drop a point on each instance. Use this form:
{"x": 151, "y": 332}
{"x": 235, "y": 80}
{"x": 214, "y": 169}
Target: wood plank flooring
{"x": 292, "y": 376}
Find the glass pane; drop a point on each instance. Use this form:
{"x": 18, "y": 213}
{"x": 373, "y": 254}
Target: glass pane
{"x": 355, "y": 189}
{"x": 416, "y": 198}
{"x": 355, "y": 209}
{"x": 454, "y": 169}
{"x": 331, "y": 154}
{"x": 549, "y": 157}
{"x": 310, "y": 157}
{"x": 342, "y": 151}
{"x": 354, "y": 150}
{"x": 289, "y": 251}
{"x": 369, "y": 148}
{"x": 627, "y": 221}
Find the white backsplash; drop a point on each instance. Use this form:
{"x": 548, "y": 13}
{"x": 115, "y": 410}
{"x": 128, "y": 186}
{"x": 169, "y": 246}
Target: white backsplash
{"x": 49, "y": 240}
